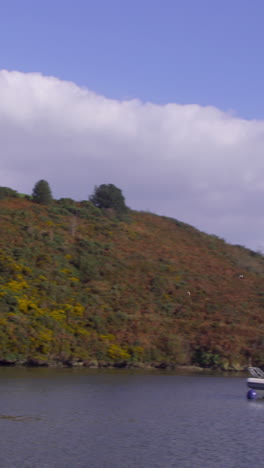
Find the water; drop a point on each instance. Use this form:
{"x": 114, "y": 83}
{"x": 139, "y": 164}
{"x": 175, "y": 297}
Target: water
{"x": 65, "y": 418}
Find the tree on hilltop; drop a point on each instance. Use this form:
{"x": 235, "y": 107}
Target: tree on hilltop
{"x": 109, "y": 196}
{"x": 42, "y": 193}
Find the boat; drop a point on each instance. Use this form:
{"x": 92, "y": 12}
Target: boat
{"x": 255, "y": 383}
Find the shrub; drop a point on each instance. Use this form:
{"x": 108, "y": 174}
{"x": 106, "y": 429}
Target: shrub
{"x": 6, "y": 192}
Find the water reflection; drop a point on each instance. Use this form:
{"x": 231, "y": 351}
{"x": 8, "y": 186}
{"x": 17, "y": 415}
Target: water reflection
{"x": 19, "y": 418}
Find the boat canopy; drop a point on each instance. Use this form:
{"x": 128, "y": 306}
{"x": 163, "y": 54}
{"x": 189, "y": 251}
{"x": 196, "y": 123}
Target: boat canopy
{"x": 256, "y": 372}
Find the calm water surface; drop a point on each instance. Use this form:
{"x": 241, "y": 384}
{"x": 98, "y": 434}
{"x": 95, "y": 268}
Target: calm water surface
{"x": 62, "y": 418}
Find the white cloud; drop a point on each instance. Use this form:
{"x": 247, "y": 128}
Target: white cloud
{"x": 197, "y": 164}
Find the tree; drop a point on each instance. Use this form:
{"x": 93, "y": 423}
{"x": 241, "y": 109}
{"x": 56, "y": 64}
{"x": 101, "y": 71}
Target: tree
{"x": 42, "y": 193}
{"x": 109, "y": 196}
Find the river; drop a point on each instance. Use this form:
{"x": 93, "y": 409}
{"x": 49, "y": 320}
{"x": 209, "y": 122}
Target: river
{"x": 67, "y": 418}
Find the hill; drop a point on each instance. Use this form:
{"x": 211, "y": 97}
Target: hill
{"x": 78, "y": 286}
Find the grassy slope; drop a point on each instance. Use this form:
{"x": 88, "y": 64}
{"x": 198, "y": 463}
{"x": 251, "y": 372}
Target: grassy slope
{"x": 78, "y": 285}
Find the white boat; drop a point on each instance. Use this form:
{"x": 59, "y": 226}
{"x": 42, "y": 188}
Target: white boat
{"x": 255, "y": 383}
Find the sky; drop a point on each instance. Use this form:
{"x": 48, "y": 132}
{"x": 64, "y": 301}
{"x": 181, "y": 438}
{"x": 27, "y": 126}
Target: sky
{"x": 162, "y": 98}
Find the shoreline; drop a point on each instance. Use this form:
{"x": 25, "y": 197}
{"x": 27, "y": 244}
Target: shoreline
{"x": 93, "y": 364}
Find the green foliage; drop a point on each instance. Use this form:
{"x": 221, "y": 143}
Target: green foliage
{"x": 109, "y": 196}
{"x": 42, "y": 193}
{"x": 6, "y": 192}
{"x": 205, "y": 358}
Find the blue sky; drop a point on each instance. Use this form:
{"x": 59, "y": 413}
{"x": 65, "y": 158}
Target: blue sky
{"x": 208, "y": 52}
{"x": 162, "y": 98}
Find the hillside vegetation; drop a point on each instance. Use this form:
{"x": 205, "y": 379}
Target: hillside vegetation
{"x": 80, "y": 286}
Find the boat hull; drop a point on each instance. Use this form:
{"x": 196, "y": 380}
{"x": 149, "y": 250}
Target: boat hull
{"x": 257, "y": 385}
